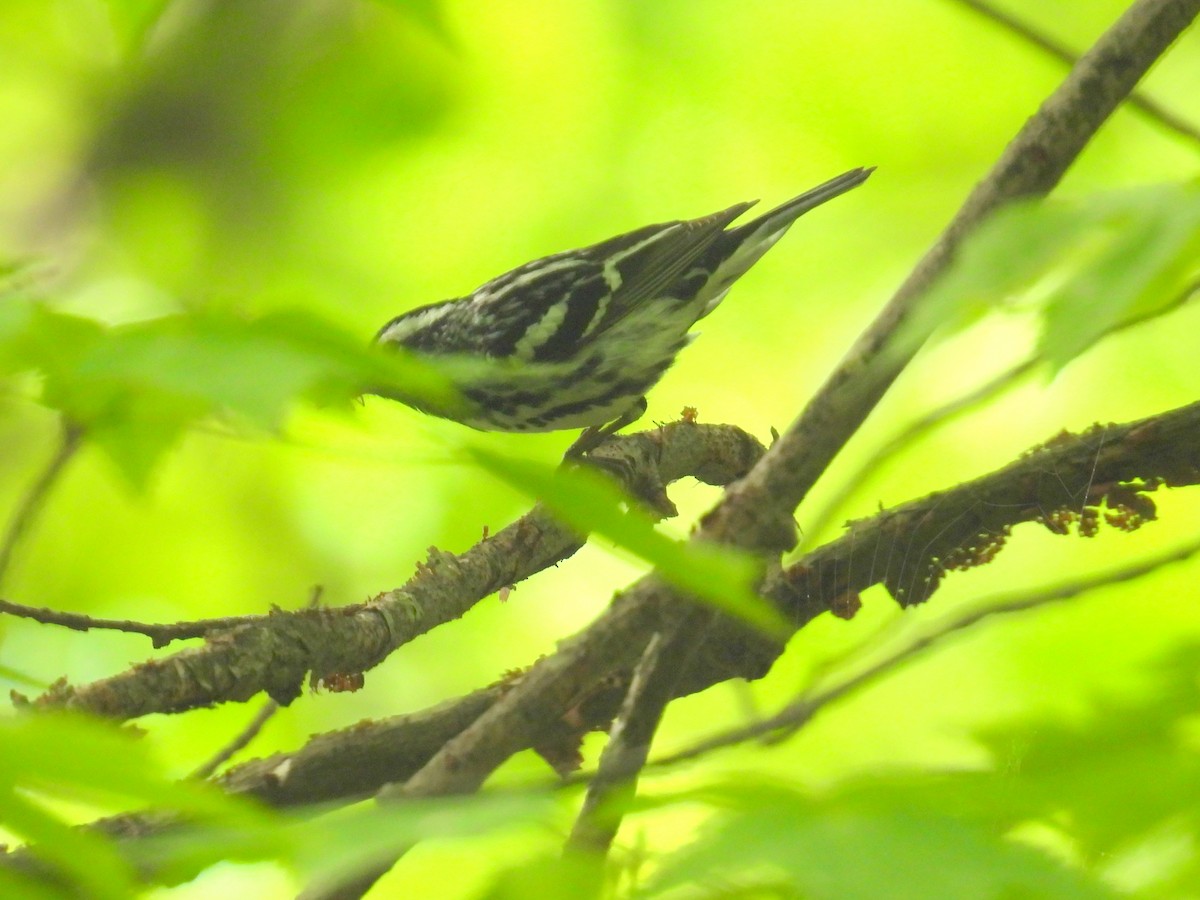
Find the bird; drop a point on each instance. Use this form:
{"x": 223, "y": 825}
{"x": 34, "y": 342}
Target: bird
{"x": 576, "y": 339}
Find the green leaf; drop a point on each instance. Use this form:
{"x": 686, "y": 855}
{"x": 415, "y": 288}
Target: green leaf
{"x": 73, "y": 756}
{"x": 68, "y": 757}
{"x": 588, "y": 502}
{"x": 137, "y": 428}
{"x": 555, "y": 875}
{"x": 330, "y": 849}
{"x": 327, "y": 848}
{"x": 1091, "y": 266}
{"x": 776, "y": 836}
{"x": 1112, "y": 786}
{"x": 134, "y": 389}
{"x": 88, "y": 861}
{"x": 256, "y": 369}
{"x": 1126, "y": 770}
{"x": 33, "y": 336}
{"x": 1137, "y": 262}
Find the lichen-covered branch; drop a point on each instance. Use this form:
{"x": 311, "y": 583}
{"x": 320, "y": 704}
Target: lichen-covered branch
{"x": 278, "y": 652}
{"x": 1078, "y": 482}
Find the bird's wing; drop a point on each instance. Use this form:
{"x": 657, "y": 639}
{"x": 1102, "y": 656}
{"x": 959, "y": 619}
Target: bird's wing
{"x": 648, "y": 268}
{"x": 551, "y": 308}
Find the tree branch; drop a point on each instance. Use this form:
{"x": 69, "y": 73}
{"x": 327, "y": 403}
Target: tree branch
{"x": 908, "y": 549}
{"x": 652, "y": 686}
{"x": 1072, "y": 481}
{"x": 276, "y": 652}
{"x": 802, "y": 710}
{"x": 757, "y": 511}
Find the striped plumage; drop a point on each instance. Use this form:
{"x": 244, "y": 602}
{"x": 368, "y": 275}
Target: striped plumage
{"x": 577, "y": 338}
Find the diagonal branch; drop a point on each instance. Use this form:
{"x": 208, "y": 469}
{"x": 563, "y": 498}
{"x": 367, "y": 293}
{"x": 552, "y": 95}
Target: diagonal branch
{"x": 757, "y": 511}
{"x": 652, "y": 686}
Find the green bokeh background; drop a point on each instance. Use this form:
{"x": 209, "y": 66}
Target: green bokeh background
{"x": 358, "y": 159}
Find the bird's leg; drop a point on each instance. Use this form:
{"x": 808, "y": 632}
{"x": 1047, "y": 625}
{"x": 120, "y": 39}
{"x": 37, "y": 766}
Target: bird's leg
{"x": 595, "y": 435}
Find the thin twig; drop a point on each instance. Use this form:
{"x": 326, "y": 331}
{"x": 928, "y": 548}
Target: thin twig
{"x": 802, "y": 710}
{"x": 253, "y": 728}
{"x": 911, "y": 432}
{"x": 159, "y": 634}
{"x": 1063, "y": 53}
{"x": 68, "y": 443}
{"x": 598, "y": 819}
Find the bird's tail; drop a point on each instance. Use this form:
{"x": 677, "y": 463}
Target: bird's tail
{"x": 774, "y": 223}
{"x": 743, "y": 246}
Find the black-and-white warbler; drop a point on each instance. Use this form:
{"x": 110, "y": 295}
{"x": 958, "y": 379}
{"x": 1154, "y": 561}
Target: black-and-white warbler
{"x": 576, "y": 339}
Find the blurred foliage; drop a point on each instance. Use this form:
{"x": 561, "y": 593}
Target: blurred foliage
{"x": 1088, "y": 266}
{"x": 133, "y": 389}
{"x": 588, "y": 501}
{"x": 58, "y": 758}
{"x": 66, "y": 758}
{"x": 961, "y": 833}
{"x": 207, "y": 208}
